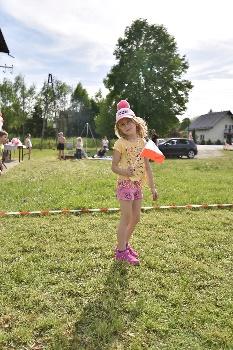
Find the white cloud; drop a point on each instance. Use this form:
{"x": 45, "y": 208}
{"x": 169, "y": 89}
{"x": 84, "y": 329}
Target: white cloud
{"x": 77, "y": 39}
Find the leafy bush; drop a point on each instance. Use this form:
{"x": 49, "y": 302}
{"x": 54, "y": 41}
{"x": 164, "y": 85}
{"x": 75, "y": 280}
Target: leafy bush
{"x": 218, "y": 142}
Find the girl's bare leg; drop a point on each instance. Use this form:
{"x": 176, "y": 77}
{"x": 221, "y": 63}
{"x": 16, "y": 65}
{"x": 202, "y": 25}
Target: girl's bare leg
{"x": 135, "y": 218}
{"x": 125, "y": 219}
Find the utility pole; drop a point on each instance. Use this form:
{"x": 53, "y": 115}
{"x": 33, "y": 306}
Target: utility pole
{"x": 5, "y": 67}
{"x": 49, "y": 86}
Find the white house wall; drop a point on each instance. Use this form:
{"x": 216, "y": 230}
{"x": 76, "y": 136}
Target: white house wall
{"x": 216, "y": 133}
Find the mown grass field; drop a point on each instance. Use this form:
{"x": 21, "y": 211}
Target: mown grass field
{"x": 60, "y": 288}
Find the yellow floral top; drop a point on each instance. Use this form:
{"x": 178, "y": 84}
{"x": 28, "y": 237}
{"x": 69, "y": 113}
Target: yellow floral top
{"x": 130, "y": 156}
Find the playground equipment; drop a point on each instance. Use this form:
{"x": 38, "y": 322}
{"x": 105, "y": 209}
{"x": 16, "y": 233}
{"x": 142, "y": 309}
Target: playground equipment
{"x": 88, "y": 130}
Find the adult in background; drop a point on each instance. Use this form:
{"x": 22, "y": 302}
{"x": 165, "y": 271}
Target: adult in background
{"x": 28, "y": 144}
{"x": 154, "y": 137}
{"x": 61, "y": 140}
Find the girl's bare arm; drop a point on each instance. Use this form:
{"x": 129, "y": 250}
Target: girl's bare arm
{"x": 115, "y": 165}
{"x": 150, "y": 179}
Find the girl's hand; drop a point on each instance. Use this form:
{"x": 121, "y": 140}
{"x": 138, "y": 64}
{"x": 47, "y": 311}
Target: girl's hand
{"x": 129, "y": 171}
{"x": 154, "y": 194}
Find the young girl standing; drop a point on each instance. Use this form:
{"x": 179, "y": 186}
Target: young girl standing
{"x": 131, "y": 170}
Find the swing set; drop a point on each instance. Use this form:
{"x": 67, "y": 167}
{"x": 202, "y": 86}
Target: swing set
{"x": 86, "y": 134}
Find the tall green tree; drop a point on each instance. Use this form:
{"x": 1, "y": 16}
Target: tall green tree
{"x": 104, "y": 121}
{"x": 80, "y": 99}
{"x": 149, "y": 73}
{"x": 83, "y": 110}
{"x": 53, "y": 100}
{"x": 184, "y": 124}
{"x": 17, "y": 103}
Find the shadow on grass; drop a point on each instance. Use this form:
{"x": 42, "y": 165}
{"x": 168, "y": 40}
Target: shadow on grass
{"x": 102, "y": 321}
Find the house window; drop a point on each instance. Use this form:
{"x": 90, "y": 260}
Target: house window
{"x": 202, "y": 137}
{"x": 226, "y": 126}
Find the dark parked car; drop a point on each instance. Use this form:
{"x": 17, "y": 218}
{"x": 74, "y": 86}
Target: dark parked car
{"x": 178, "y": 147}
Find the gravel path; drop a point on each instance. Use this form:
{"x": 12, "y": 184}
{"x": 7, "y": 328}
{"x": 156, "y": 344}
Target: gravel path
{"x": 10, "y": 165}
{"x": 207, "y": 151}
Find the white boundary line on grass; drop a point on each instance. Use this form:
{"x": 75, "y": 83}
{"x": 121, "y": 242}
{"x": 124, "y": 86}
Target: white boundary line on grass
{"x": 106, "y": 210}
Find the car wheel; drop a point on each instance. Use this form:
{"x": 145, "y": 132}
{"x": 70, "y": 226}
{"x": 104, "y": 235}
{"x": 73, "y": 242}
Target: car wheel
{"x": 191, "y": 154}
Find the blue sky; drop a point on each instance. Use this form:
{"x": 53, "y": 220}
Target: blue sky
{"x": 75, "y": 39}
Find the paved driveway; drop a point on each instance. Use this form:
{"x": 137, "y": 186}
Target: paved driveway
{"x": 207, "y": 151}
{"x": 9, "y": 165}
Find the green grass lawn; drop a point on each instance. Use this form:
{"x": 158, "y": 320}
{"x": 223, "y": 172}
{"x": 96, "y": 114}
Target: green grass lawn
{"x": 60, "y": 288}
{"x": 47, "y": 183}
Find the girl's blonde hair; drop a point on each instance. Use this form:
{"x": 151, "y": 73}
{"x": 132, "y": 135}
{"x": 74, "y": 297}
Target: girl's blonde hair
{"x": 141, "y": 128}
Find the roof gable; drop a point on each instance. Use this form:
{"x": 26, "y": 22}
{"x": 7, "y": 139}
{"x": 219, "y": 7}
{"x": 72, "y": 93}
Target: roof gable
{"x": 3, "y": 45}
{"x": 209, "y": 120}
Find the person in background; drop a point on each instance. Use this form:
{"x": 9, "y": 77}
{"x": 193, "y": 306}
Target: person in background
{"x": 79, "y": 148}
{"x": 101, "y": 152}
{"x": 105, "y": 143}
{"x": 132, "y": 170}
{"x": 3, "y": 140}
{"x": 61, "y": 140}
{"x": 28, "y": 144}
{"x": 154, "y": 137}
{"x": 190, "y": 137}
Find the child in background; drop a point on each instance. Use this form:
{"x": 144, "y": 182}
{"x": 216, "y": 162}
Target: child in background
{"x": 131, "y": 170}
{"x": 79, "y": 148}
{"x": 28, "y": 144}
{"x": 105, "y": 143}
{"x": 61, "y": 145}
{"x": 3, "y": 140}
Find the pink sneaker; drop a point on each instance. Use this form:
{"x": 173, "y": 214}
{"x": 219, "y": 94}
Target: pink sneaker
{"x": 126, "y": 256}
{"x": 132, "y": 251}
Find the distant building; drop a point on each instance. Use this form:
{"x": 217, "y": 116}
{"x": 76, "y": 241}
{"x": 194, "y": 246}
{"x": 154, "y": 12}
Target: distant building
{"x": 3, "y": 45}
{"x": 213, "y": 126}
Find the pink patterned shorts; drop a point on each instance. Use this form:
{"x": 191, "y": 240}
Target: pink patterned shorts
{"x": 128, "y": 190}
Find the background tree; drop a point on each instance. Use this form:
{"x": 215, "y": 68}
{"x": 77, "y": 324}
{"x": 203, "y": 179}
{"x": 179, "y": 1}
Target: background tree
{"x": 82, "y": 111}
{"x": 79, "y": 99}
{"x": 17, "y": 104}
{"x": 184, "y": 124}
{"x": 34, "y": 124}
{"x": 105, "y": 119}
{"x": 53, "y": 100}
{"x": 149, "y": 74}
